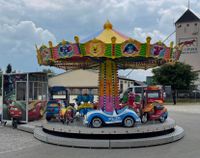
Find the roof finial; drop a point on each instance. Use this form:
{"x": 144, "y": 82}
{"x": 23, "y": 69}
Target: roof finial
{"x": 107, "y": 25}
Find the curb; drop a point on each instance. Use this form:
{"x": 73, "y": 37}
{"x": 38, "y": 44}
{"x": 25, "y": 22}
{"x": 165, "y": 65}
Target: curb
{"x": 122, "y": 143}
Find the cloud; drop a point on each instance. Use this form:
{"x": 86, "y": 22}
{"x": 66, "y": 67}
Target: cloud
{"x": 44, "y": 4}
{"x": 24, "y": 23}
{"x": 142, "y": 34}
{"x": 17, "y": 44}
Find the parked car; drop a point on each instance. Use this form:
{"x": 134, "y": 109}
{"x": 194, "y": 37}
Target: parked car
{"x": 98, "y": 118}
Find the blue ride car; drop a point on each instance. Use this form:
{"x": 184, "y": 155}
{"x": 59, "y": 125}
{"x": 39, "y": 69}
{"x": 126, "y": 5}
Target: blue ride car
{"x": 98, "y": 118}
{"x": 52, "y": 110}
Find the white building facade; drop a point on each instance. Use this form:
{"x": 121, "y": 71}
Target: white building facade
{"x": 188, "y": 29}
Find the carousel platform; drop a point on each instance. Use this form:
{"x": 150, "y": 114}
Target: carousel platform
{"x": 77, "y": 135}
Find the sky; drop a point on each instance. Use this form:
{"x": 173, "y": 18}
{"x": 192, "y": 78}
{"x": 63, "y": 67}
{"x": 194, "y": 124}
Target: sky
{"x": 24, "y": 23}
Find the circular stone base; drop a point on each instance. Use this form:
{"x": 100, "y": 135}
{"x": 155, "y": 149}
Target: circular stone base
{"x": 75, "y": 135}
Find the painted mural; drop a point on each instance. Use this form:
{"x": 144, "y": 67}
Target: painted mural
{"x": 18, "y": 102}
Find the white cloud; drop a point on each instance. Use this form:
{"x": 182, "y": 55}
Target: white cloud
{"x": 23, "y": 35}
{"x": 44, "y": 4}
{"x": 141, "y": 34}
{"x": 17, "y": 44}
{"x": 26, "y": 22}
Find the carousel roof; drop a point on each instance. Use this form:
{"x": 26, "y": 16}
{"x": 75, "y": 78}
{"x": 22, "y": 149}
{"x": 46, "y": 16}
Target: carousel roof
{"x": 106, "y": 34}
{"x": 109, "y": 32}
{"x": 107, "y": 44}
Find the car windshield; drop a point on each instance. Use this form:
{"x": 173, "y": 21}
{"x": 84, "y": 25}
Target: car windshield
{"x": 153, "y": 94}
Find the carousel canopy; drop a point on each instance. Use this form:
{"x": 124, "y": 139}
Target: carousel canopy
{"x": 107, "y": 44}
{"x": 106, "y": 34}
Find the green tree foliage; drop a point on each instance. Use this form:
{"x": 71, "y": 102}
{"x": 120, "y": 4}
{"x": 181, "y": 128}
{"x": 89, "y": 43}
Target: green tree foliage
{"x": 9, "y": 68}
{"x": 179, "y": 75}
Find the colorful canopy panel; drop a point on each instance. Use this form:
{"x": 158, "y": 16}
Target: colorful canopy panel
{"x": 111, "y": 44}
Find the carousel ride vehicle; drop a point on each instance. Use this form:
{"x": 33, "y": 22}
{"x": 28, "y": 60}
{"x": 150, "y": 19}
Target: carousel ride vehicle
{"x": 126, "y": 117}
{"x": 153, "y": 108}
{"x": 67, "y": 114}
{"x": 52, "y": 110}
{"x": 85, "y": 103}
{"x": 147, "y": 103}
{"x": 58, "y": 100}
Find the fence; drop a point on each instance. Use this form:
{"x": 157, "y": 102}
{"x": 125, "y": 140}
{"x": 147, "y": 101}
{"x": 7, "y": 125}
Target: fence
{"x": 187, "y": 96}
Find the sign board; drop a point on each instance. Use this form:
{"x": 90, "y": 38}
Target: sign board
{"x": 190, "y": 45}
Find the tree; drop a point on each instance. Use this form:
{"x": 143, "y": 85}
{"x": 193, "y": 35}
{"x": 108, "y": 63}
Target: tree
{"x": 179, "y": 75}
{"x": 9, "y": 68}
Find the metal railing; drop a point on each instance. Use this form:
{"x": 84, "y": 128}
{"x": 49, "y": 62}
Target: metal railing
{"x": 184, "y": 96}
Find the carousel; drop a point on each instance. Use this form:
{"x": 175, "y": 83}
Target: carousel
{"x": 110, "y": 123}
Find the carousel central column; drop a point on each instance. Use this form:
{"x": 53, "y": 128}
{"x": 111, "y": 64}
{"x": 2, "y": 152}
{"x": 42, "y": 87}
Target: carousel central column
{"x": 108, "y": 86}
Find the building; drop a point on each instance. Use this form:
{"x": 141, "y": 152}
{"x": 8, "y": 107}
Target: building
{"x": 188, "y": 29}
{"x": 86, "y": 81}
{"x": 125, "y": 83}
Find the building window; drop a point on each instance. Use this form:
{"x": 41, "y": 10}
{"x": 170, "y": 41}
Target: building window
{"x": 37, "y": 90}
{"x": 179, "y": 26}
{"x": 196, "y": 29}
{"x": 188, "y": 25}
{"x": 78, "y": 91}
{"x": 128, "y": 84}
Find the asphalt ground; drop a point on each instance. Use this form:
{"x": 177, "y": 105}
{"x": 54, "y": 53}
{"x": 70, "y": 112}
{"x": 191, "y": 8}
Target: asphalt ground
{"x": 18, "y": 144}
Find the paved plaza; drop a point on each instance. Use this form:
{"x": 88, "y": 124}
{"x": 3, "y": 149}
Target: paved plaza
{"x": 19, "y": 144}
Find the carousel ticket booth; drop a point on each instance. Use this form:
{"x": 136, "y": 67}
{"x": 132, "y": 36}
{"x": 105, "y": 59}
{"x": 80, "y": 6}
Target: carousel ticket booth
{"x": 24, "y": 96}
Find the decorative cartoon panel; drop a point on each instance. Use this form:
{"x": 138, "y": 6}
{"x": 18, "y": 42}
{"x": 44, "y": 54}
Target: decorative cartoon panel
{"x": 158, "y": 50}
{"x": 45, "y": 54}
{"x": 130, "y": 48}
{"x": 65, "y": 50}
{"x": 95, "y": 48}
